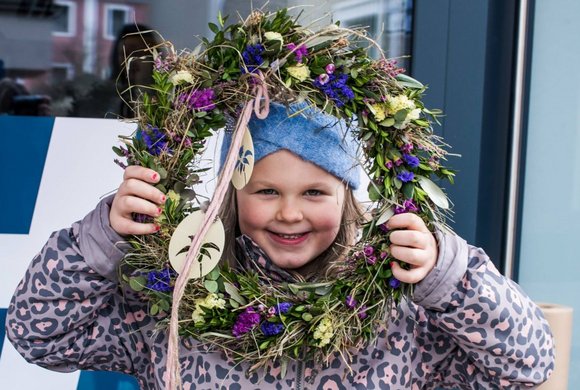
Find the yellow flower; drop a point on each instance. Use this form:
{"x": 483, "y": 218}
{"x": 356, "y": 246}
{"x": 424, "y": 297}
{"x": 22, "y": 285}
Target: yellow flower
{"x": 174, "y": 196}
{"x": 378, "y": 111}
{"x": 324, "y": 332}
{"x": 300, "y": 72}
{"x": 180, "y": 77}
{"x": 399, "y": 102}
{"x": 210, "y": 301}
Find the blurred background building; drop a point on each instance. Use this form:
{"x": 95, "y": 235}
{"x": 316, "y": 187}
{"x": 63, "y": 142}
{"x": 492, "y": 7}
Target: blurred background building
{"x": 503, "y": 71}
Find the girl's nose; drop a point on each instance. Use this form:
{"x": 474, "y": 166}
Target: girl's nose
{"x": 289, "y": 212}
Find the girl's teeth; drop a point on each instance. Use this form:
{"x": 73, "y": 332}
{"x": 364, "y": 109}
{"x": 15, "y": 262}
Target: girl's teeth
{"x": 290, "y": 236}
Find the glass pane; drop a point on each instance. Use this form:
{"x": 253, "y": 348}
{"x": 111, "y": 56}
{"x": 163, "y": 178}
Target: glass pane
{"x": 549, "y": 260}
{"x": 61, "y": 13}
{"x": 78, "y": 71}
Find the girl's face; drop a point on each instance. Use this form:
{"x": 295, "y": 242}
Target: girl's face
{"x": 291, "y": 208}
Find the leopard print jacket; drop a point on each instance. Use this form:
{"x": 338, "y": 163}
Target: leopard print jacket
{"x": 467, "y": 327}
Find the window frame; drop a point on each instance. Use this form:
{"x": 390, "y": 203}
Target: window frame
{"x": 72, "y": 19}
{"x": 129, "y": 15}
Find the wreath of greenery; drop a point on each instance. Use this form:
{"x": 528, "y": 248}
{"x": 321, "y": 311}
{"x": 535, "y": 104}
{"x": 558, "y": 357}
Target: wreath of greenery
{"x": 192, "y": 95}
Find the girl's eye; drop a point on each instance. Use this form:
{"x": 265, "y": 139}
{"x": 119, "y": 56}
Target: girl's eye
{"x": 313, "y": 193}
{"x": 267, "y": 191}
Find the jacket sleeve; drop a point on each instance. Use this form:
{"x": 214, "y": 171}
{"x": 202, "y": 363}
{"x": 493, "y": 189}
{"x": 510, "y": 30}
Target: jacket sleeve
{"x": 481, "y": 327}
{"x": 67, "y": 312}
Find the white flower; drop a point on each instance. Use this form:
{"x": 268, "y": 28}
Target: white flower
{"x": 324, "y": 332}
{"x": 274, "y": 36}
{"x": 181, "y": 76}
{"x": 399, "y": 102}
{"x": 300, "y": 72}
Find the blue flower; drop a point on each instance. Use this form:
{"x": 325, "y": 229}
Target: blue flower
{"x": 282, "y": 308}
{"x": 252, "y": 57}
{"x": 406, "y": 176}
{"x": 160, "y": 280}
{"x": 155, "y": 140}
{"x": 335, "y": 88}
{"x": 394, "y": 283}
{"x": 271, "y": 328}
{"x": 411, "y": 160}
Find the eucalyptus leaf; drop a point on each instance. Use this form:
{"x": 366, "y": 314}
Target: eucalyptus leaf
{"x": 307, "y": 317}
{"x": 211, "y": 286}
{"x": 234, "y": 304}
{"x": 214, "y": 274}
{"x": 385, "y": 215}
{"x": 137, "y": 283}
{"x": 435, "y": 193}
{"x": 233, "y": 292}
{"x": 388, "y": 122}
{"x": 408, "y": 81}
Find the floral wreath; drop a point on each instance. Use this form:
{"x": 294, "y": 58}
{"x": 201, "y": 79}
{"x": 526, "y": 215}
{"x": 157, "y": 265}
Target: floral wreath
{"x": 192, "y": 97}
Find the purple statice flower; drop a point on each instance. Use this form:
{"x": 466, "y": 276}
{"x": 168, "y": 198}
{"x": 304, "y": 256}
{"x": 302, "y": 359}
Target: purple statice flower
{"x": 399, "y": 162}
{"x": 350, "y": 302}
{"x": 252, "y": 57}
{"x": 389, "y": 165}
{"x": 372, "y": 259}
{"x": 383, "y": 255}
{"x": 155, "y": 140}
{"x": 406, "y": 176}
{"x": 161, "y": 65}
{"x": 245, "y": 322}
{"x": 336, "y": 89}
{"x": 200, "y": 99}
{"x": 394, "y": 282}
{"x": 160, "y": 280}
{"x": 300, "y": 53}
{"x": 282, "y": 308}
{"x": 142, "y": 218}
{"x": 411, "y": 160}
{"x": 271, "y": 328}
{"x": 408, "y": 206}
{"x": 362, "y": 312}
{"x": 368, "y": 250}
{"x": 406, "y": 148}
{"x": 389, "y": 67}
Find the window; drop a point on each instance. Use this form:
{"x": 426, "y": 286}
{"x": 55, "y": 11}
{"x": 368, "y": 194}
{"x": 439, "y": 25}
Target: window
{"x": 64, "y": 18}
{"x": 388, "y": 22}
{"x": 116, "y": 16}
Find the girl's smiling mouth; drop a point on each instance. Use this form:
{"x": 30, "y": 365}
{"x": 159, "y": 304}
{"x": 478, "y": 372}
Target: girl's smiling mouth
{"x": 288, "y": 238}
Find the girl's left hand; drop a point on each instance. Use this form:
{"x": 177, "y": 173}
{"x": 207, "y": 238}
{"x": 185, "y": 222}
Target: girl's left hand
{"x": 413, "y": 244}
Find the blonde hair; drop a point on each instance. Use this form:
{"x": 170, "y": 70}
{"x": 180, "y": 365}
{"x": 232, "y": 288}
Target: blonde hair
{"x": 352, "y": 218}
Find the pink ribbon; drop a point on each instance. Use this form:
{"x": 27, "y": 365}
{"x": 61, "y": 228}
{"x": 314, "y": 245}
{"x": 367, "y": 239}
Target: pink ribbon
{"x": 260, "y": 104}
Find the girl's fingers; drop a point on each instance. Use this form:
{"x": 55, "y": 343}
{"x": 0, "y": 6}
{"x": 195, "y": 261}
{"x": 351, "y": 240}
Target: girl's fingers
{"x": 412, "y": 256}
{"x": 413, "y": 275}
{"x": 127, "y": 226}
{"x": 407, "y": 221}
{"x": 141, "y": 173}
{"x": 410, "y": 238}
{"x": 138, "y": 188}
{"x": 132, "y": 204}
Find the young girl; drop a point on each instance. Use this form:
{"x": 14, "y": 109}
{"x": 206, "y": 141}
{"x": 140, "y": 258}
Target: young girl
{"x": 466, "y": 325}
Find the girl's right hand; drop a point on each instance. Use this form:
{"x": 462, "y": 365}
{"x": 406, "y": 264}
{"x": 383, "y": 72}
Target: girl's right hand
{"x": 136, "y": 194}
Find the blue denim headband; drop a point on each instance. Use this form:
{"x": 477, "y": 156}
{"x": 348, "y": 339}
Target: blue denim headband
{"x": 314, "y": 136}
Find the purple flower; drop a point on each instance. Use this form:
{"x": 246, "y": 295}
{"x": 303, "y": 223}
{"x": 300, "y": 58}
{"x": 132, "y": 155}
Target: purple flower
{"x": 406, "y": 148}
{"x": 336, "y": 89}
{"x": 411, "y": 160}
{"x": 252, "y": 56}
{"x": 383, "y": 255}
{"x": 368, "y": 250}
{"x": 246, "y": 322}
{"x": 323, "y": 79}
{"x": 271, "y": 328}
{"x": 155, "y": 140}
{"x": 350, "y": 302}
{"x": 160, "y": 65}
{"x": 330, "y": 68}
{"x": 398, "y": 162}
{"x": 160, "y": 280}
{"x": 301, "y": 52}
{"x": 408, "y": 206}
{"x": 383, "y": 228}
{"x": 362, "y": 312}
{"x": 389, "y": 164}
{"x": 200, "y": 99}
{"x": 394, "y": 282}
{"x": 282, "y": 308}
{"x": 406, "y": 176}
{"x": 371, "y": 259}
